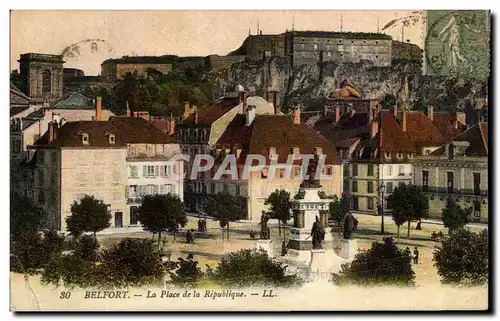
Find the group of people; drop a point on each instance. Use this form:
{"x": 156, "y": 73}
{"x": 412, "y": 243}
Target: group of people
{"x": 202, "y": 225}
{"x": 415, "y": 254}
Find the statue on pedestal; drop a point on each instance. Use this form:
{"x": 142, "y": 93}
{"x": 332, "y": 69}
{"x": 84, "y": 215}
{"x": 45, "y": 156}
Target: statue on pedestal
{"x": 318, "y": 234}
{"x": 265, "y": 232}
{"x": 350, "y": 225}
{"x": 311, "y": 172}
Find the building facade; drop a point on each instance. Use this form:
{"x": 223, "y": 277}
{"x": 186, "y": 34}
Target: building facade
{"x": 458, "y": 170}
{"x": 113, "y": 69}
{"x": 117, "y": 161}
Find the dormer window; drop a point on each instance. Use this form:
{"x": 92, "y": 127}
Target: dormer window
{"x": 111, "y": 138}
{"x": 296, "y": 152}
{"x": 399, "y": 155}
{"x": 318, "y": 150}
{"x": 387, "y": 155}
{"x": 410, "y": 155}
{"x": 272, "y": 150}
{"x": 85, "y": 137}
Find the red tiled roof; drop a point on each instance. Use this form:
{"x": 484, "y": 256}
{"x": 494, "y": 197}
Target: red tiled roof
{"x": 421, "y": 129}
{"x": 138, "y": 130}
{"x": 477, "y": 136}
{"x": 127, "y": 130}
{"x": 391, "y": 136}
{"x": 276, "y": 131}
{"x": 209, "y": 113}
{"x": 445, "y": 122}
{"x": 69, "y": 135}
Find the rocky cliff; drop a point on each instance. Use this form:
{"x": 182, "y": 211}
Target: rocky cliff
{"x": 308, "y": 85}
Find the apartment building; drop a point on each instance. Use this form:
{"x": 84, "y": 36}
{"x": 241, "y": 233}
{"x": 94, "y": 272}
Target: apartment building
{"x": 457, "y": 170}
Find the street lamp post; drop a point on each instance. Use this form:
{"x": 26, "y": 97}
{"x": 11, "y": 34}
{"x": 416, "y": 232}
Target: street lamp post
{"x": 381, "y": 207}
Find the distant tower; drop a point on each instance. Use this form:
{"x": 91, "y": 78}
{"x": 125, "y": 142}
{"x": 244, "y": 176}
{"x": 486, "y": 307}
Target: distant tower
{"x": 42, "y": 76}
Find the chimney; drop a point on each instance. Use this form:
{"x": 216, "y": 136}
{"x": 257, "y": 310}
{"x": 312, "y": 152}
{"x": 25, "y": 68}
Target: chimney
{"x": 404, "y": 120}
{"x": 296, "y": 115}
{"x": 242, "y": 99}
{"x": 187, "y": 110}
{"x": 276, "y": 102}
{"x": 374, "y": 127}
{"x": 337, "y": 113}
{"x": 171, "y": 128}
{"x": 127, "y": 111}
{"x": 250, "y": 115}
{"x": 270, "y": 97}
{"x": 52, "y": 132}
{"x": 98, "y": 108}
{"x": 195, "y": 113}
{"x": 395, "y": 110}
{"x": 461, "y": 117}
{"x": 430, "y": 112}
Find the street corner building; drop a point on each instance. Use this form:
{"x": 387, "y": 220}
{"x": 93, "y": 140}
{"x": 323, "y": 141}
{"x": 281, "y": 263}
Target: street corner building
{"x": 118, "y": 161}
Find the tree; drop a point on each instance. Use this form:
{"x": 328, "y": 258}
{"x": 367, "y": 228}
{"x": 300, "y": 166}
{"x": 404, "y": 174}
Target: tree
{"x": 131, "y": 262}
{"x": 86, "y": 248}
{"x": 187, "y": 274}
{"x": 338, "y": 210}
{"x": 462, "y": 257}
{"x": 25, "y": 215}
{"x": 160, "y": 213}
{"x": 384, "y": 263}
{"x": 226, "y": 208}
{"x": 89, "y": 215}
{"x": 280, "y": 205}
{"x": 251, "y": 267}
{"x": 454, "y": 216}
{"x": 408, "y": 203}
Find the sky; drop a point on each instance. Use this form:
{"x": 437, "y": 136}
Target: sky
{"x": 182, "y": 33}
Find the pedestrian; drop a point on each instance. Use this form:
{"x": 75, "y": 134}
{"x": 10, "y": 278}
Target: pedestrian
{"x": 284, "y": 249}
{"x": 419, "y": 225}
{"x": 252, "y": 234}
{"x": 189, "y": 237}
{"x": 408, "y": 252}
{"x": 415, "y": 256}
{"x": 200, "y": 225}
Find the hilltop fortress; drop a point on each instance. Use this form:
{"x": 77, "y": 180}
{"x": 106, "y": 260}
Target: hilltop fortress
{"x": 299, "y": 47}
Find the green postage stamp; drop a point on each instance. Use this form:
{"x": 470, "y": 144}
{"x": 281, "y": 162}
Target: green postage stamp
{"x": 457, "y": 42}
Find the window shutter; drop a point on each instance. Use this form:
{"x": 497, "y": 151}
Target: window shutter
{"x": 162, "y": 189}
{"x": 155, "y": 189}
{"x": 144, "y": 171}
{"x": 157, "y": 170}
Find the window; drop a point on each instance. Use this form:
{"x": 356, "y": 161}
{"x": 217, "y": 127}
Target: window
{"x": 42, "y": 156}
{"x": 112, "y": 139}
{"x": 225, "y": 188}
{"x": 389, "y": 187}
{"x": 477, "y": 209}
{"x": 41, "y": 197}
{"x": 150, "y": 150}
{"x": 132, "y": 191}
{"x": 116, "y": 176}
{"x": 477, "y": 183}
{"x": 53, "y": 157}
{"x": 370, "y": 169}
{"x": 355, "y": 203}
{"x": 399, "y": 155}
{"x": 41, "y": 178}
{"x": 212, "y": 188}
{"x": 329, "y": 170}
{"x": 134, "y": 215}
{"x": 370, "y": 203}
{"x": 425, "y": 180}
{"x": 401, "y": 170}
{"x": 354, "y": 186}
{"x": 53, "y": 178}
{"x": 46, "y": 82}
{"x": 370, "y": 187}
{"x": 85, "y": 139}
{"x": 17, "y": 146}
{"x": 149, "y": 171}
{"x": 387, "y": 155}
{"x": 427, "y": 152}
{"x": 449, "y": 185}
{"x": 134, "y": 173}
{"x": 354, "y": 169}
{"x": 315, "y": 46}
{"x": 167, "y": 170}
{"x": 237, "y": 190}
{"x": 150, "y": 189}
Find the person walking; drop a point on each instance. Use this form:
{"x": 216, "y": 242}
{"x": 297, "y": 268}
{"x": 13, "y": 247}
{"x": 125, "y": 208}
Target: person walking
{"x": 415, "y": 256}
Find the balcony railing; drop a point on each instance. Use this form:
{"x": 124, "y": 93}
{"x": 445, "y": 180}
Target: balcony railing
{"x": 455, "y": 191}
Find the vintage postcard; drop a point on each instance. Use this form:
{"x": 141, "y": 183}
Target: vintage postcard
{"x": 249, "y": 160}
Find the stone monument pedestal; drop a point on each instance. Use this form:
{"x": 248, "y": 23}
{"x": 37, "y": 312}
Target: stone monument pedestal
{"x": 349, "y": 249}
{"x": 266, "y": 245}
{"x": 318, "y": 266}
